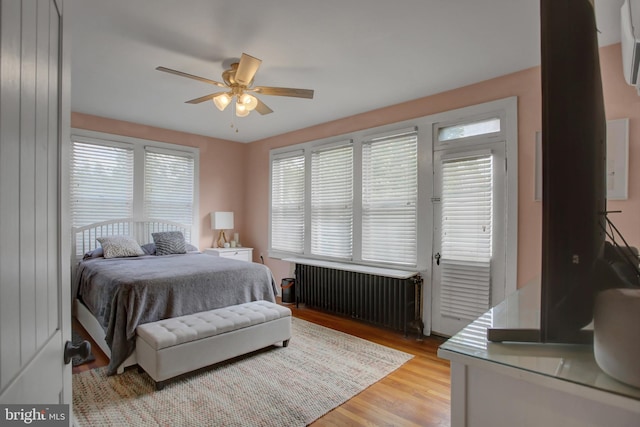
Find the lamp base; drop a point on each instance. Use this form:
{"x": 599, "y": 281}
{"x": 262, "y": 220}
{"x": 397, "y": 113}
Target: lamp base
{"x": 222, "y": 239}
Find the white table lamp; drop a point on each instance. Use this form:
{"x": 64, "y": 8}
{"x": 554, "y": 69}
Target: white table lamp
{"x": 222, "y": 221}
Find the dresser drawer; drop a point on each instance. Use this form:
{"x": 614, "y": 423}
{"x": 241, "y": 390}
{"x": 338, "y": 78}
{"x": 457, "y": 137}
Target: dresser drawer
{"x": 241, "y": 254}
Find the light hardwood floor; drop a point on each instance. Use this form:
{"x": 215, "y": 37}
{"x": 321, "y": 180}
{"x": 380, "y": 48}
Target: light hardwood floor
{"x": 417, "y": 394}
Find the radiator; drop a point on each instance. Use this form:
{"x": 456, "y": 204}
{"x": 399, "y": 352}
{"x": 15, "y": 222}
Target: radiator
{"x": 384, "y": 301}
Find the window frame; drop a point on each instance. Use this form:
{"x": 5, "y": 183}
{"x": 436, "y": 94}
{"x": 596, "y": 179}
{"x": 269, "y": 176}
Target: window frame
{"x": 139, "y": 146}
{"x": 357, "y": 139}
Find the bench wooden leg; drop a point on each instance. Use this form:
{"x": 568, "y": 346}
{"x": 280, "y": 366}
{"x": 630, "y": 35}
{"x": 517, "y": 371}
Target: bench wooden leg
{"x": 285, "y": 343}
{"x": 159, "y": 385}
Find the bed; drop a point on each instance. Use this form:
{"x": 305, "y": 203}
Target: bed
{"x": 114, "y": 294}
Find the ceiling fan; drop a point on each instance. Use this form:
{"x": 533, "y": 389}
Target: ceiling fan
{"x": 238, "y": 81}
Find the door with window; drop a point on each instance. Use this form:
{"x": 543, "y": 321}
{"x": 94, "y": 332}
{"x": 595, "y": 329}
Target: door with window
{"x": 469, "y": 241}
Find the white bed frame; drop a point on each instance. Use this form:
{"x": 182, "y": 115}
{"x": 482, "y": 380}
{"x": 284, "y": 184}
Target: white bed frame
{"x": 84, "y": 240}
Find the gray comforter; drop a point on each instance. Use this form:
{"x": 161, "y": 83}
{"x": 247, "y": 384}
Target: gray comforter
{"x": 125, "y": 292}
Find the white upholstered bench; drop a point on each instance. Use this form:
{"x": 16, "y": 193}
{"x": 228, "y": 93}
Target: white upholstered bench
{"x": 171, "y": 347}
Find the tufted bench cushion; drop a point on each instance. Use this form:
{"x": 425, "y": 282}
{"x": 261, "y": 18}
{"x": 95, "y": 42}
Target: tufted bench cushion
{"x": 178, "y": 330}
{"x": 170, "y": 347}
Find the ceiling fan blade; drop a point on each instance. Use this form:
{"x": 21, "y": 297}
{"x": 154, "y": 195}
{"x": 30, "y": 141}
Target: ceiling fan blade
{"x": 247, "y": 69}
{"x": 190, "y": 76}
{"x": 284, "y": 91}
{"x": 262, "y": 108}
{"x": 204, "y": 98}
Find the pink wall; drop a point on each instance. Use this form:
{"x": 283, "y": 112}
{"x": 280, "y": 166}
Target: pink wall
{"x": 221, "y": 162}
{"x": 621, "y": 101}
{"x": 224, "y": 187}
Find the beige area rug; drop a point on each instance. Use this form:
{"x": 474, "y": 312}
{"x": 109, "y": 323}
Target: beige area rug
{"x": 293, "y": 386}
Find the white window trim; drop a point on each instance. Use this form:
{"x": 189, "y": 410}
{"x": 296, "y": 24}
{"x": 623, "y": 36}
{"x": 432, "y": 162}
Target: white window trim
{"x": 139, "y": 145}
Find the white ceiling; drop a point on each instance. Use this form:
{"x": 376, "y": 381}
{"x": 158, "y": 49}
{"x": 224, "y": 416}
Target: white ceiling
{"x": 358, "y": 55}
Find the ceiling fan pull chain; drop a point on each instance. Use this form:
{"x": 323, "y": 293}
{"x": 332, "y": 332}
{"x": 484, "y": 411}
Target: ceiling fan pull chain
{"x": 233, "y": 116}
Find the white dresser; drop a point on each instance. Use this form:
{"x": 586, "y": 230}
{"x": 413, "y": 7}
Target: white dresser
{"x": 531, "y": 384}
{"x": 242, "y": 254}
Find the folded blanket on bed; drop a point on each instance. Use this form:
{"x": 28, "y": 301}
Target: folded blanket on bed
{"x": 125, "y": 292}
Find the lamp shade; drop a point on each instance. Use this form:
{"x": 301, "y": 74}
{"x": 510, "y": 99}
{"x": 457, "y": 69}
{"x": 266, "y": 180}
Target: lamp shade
{"x": 250, "y": 102}
{"x": 222, "y": 100}
{"x": 221, "y": 220}
{"x": 241, "y": 110}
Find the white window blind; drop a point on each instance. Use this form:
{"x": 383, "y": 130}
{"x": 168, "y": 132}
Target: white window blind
{"x": 287, "y": 203}
{"x": 389, "y": 198}
{"x": 332, "y": 202}
{"x": 101, "y": 180}
{"x": 467, "y": 193}
{"x": 168, "y": 186}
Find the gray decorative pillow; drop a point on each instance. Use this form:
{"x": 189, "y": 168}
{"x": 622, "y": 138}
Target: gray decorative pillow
{"x": 120, "y": 246}
{"x": 191, "y": 248}
{"x": 96, "y": 253}
{"x": 169, "y": 242}
{"x": 149, "y": 248}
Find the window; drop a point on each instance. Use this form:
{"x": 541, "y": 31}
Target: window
{"x": 332, "y": 202}
{"x": 467, "y": 202}
{"x": 114, "y": 177}
{"x": 287, "y": 203}
{"x": 168, "y": 186}
{"x": 467, "y": 218}
{"x": 348, "y": 200}
{"x": 367, "y": 197}
{"x": 389, "y": 198}
{"x": 467, "y": 130}
{"x": 101, "y": 183}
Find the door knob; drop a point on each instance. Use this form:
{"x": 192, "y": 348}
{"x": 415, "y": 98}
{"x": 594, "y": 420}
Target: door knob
{"x": 70, "y": 350}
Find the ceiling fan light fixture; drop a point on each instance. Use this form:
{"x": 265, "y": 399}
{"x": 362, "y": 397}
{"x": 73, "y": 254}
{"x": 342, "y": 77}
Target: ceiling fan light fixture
{"x": 238, "y": 78}
{"x": 241, "y": 110}
{"x": 221, "y": 101}
{"x": 249, "y": 101}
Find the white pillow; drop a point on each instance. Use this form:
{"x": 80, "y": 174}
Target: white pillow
{"x": 120, "y": 246}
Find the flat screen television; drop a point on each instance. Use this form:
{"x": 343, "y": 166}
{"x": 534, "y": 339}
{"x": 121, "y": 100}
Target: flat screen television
{"x": 574, "y": 169}
{"x": 573, "y": 174}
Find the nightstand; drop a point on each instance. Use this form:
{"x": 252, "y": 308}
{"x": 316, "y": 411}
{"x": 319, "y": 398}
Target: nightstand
{"x": 242, "y": 254}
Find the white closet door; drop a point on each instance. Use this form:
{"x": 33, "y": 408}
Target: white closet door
{"x": 35, "y": 310}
